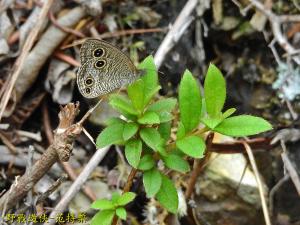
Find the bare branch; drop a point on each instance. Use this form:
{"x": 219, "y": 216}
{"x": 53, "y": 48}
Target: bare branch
{"x": 59, "y": 149}
{"x": 77, "y": 185}
{"x": 259, "y": 183}
{"x": 276, "y": 22}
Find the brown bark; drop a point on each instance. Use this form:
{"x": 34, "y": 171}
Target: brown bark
{"x": 61, "y": 149}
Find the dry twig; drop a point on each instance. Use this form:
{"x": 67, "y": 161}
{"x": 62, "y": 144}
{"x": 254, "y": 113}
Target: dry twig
{"x": 76, "y": 186}
{"x": 290, "y": 168}
{"x": 22, "y": 58}
{"x": 276, "y": 22}
{"x": 60, "y": 149}
{"x": 51, "y": 189}
{"x": 180, "y": 25}
{"x": 130, "y": 32}
{"x": 66, "y": 165}
{"x": 276, "y": 187}
{"x": 46, "y": 45}
{"x": 9, "y": 145}
{"x": 259, "y": 183}
{"x": 83, "y": 176}
{"x": 63, "y": 28}
{"x": 66, "y": 58}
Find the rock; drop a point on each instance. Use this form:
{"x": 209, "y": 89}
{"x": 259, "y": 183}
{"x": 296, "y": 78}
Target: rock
{"x": 81, "y": 203}
{"x": 228, "y": 169}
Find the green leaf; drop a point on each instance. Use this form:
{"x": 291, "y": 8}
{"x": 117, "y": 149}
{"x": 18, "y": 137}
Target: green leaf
{"x": 203, "y": 108}
{"x": 189, "y": 101}
{"x": 126, "y": 198}
{"x": 130, "y": 130}
{"x": 112, "y": 134}
{"x": 114, "y": 120}
{"x": 214, "y": 91}
{"x": 165, "y": 117}
{"x": 193, "y": 146}
{"x": 122, "y": 104}
{"x": 167, "y": 104}
{"x": 228, "y": 113}
{"x": 151, "y": 94}
{"x": 121, "y": 213}
{"x": 146, "y": 163}
{"x": 115, "y": 197}
{"x": 133, "y": 152}
{"x": 102, "y": 204}
{"x": 243, "y": 125}
{"x": 165, "y": 130}
{"x": 175, "y": 162}
{"x": 167, "y": 195}
{"x": 162, "y": 150}
{"x": 149, "y": 77}
{"x": 152, "y": 182}
{"x": 180, "y": 131}
{"x": 136, "y": 94}
{"x": 149, "y": 118}
{"x": 103, "y": 217}
{"x": 163, "y": 108}
{"x": 212, "y": 122}
{"x": 142, "y": 90}
{"x": 151, "y": 137}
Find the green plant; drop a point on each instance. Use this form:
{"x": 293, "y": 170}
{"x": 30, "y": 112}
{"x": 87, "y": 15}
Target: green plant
{"x": 146, "y": 128}
{"x": 110, "y": 208}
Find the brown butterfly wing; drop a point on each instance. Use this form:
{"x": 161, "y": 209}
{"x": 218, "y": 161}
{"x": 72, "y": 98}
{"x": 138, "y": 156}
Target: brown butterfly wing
{"x": 116, "y": 69}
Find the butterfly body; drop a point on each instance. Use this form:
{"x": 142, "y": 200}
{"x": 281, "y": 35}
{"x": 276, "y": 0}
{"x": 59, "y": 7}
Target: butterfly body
{"x": 104, "y": 68}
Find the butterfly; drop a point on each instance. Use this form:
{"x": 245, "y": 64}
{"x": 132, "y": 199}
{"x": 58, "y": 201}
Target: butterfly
{"x": 104, "y": 68}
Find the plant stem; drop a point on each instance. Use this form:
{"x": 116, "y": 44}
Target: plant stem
{"x": 130, "y": 180}
{"x": 126, "y": 189}
{"x": 198, "y": 166}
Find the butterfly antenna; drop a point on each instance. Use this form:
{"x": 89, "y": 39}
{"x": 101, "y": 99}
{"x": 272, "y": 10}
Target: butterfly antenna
{"x": 158, "y": 71}
{"x": 74, "y": 43}
{"x": 88, "y": 113}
